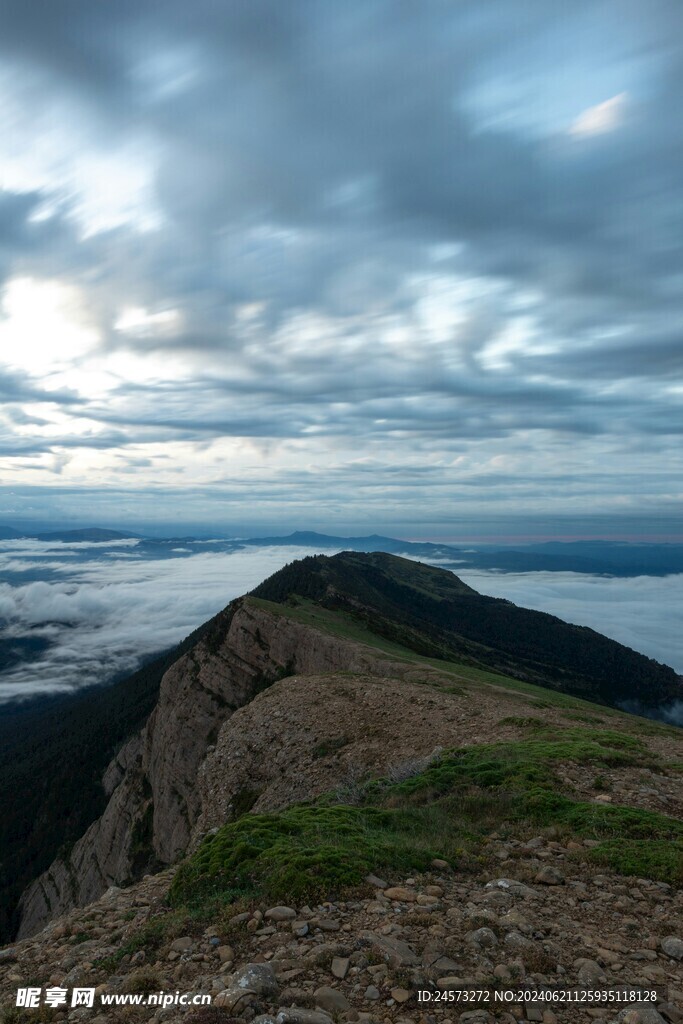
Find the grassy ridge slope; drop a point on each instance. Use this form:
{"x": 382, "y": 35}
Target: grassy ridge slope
{"x": 430, "y": 611}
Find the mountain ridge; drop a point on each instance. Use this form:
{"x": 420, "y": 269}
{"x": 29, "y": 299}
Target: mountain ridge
{"x": 375, "y": 615}
{"x": 492, "y": 632}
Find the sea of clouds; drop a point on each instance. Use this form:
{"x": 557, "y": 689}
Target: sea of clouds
{"x": 106, "y": 607}
{"x": 105, "y": 613}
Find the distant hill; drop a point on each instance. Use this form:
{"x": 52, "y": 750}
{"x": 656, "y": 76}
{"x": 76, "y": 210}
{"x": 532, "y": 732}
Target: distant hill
{"x": 624, "y": 558}
{"x": 593, "y": 557}
{"x": 432, "y": 612}
{"x": 92, "y": 534}
{"x": 372, "y": 542}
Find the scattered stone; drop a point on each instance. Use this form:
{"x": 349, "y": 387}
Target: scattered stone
{"x": 399, "y": 892}
{"x": 235, "y": 999}
{"x": 512, "y": 886}
{"x": 483, "y": 937}
{"x": 590, "y": 973}
{"x": 259, "y": 978}
{"x": 670, "y": 1013}
{"x": 640, "y": 1015}
{"x": 673, "y": 947}
{"x": 548, "y": 875}
{"x": 301, "y": 1015}
{"x": 450, "y": 981}
{"x": 396, "y": 952}
{"x": 519, "y": 943}
{"x": 331, "y": 999}
{"x": 400, "y": 994}
{"x": 280, "y": 914}
{"x": 340, "y": 966}
{"x": 326, "y": 925}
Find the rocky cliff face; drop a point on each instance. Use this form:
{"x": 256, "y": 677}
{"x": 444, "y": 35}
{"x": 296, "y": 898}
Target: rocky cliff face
{"x": 154, "y": 800}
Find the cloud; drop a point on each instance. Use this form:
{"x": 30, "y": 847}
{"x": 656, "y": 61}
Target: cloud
{"x": 103, "y": 617}
{"x": 332, "y": 224}
{"x": 603, "y": 117}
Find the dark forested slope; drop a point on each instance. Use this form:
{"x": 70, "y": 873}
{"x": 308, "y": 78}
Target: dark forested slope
{"x": 432, "y": 611}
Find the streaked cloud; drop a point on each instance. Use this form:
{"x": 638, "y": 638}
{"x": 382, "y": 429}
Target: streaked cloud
{"x": 603, "y": 117}
{"x": 244, "y": 248}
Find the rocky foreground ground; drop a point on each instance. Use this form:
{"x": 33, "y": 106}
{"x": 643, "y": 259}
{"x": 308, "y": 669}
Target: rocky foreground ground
{"x": 533, "y": 915}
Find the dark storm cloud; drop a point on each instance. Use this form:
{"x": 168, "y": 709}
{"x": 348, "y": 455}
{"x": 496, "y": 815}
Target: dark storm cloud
{"x": 348, "y": 119}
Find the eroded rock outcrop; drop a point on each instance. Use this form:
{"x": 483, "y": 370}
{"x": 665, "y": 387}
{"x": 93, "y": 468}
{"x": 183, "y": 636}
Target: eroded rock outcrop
{"x": 154, "y": 798}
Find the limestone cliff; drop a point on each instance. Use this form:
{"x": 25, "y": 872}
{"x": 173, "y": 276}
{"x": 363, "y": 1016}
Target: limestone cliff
{"x": 154, "y": 798}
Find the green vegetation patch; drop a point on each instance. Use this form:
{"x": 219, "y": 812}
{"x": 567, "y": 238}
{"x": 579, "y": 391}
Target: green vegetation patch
{"x": 661, "y": 859}
{"x": 313, "y": 852}
{"x": 304, "y": 853}
{"x": 524, "y": 763}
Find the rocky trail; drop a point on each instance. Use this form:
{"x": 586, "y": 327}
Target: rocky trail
{"x": 533, "y": 915}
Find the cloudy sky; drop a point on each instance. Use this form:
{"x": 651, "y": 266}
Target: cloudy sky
{"x": 341, "y": 264}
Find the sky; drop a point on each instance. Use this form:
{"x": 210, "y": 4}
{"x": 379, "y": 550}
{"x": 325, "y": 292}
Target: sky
{"x": 100, "y": 609}
{"x": 360, "y": 265}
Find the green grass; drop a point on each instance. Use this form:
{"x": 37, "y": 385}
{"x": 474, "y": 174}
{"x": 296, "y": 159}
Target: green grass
{"x": 338, "y": 623}
{"x": 526, "y": 762}
{"x": 661, "y": 859}
{"x": 313, "y": 852}
{"x": 304, "y": 853}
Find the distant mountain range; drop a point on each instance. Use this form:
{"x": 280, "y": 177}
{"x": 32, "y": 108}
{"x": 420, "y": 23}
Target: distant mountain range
{"x": 596, "y": 557}
{"x": 91, "y": 534}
